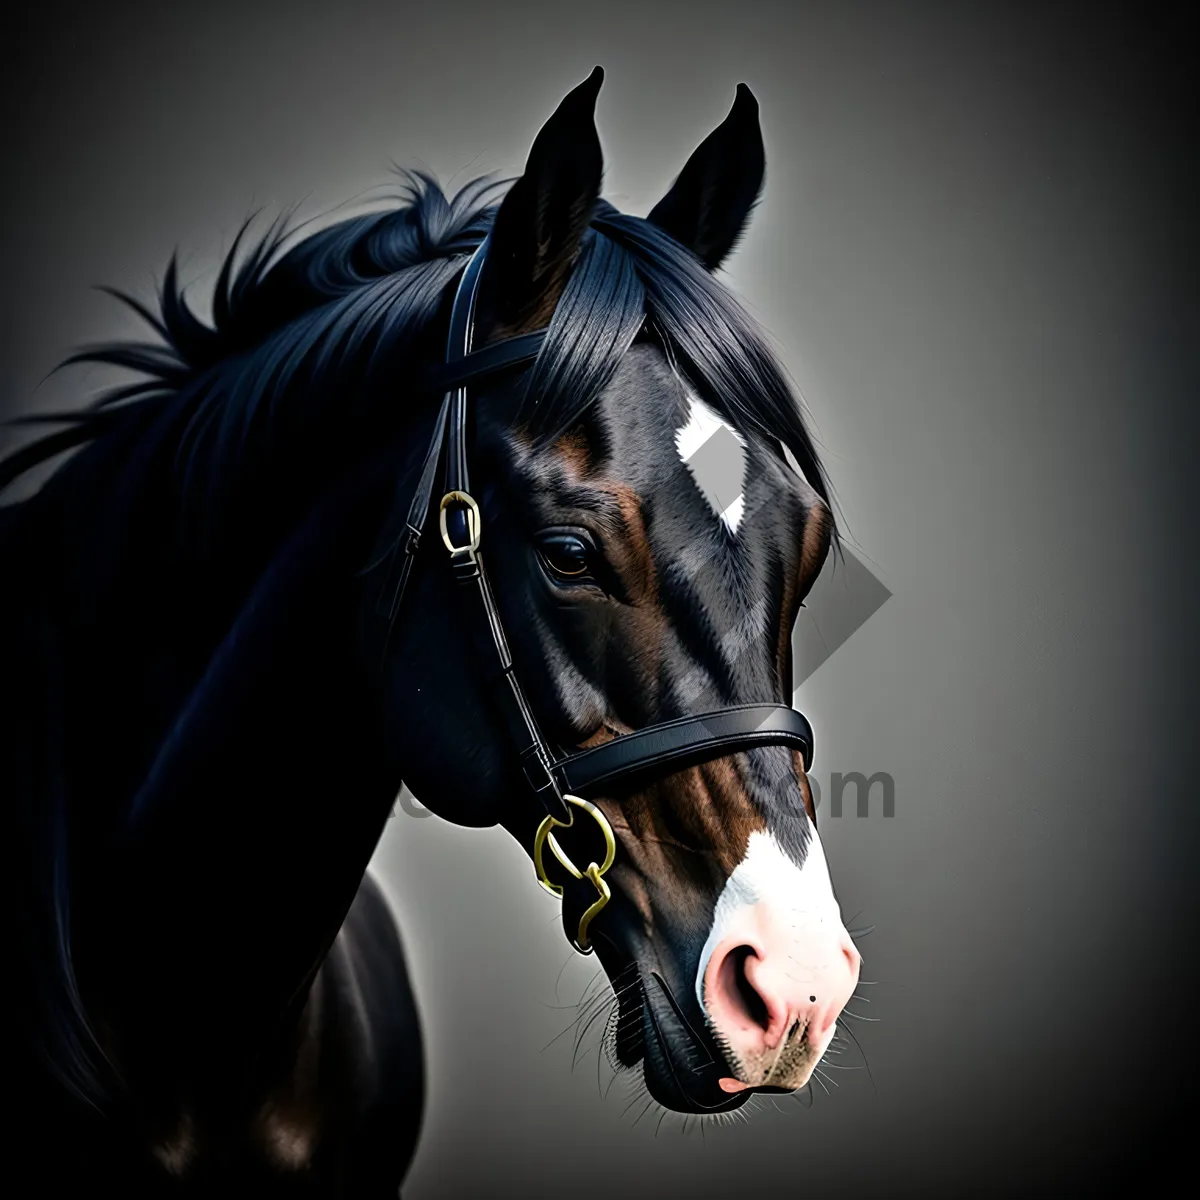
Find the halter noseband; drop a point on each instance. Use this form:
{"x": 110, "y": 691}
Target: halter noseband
{"x": 559, "y": 781}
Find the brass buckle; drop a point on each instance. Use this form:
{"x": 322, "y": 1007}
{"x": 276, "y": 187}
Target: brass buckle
{"x": 593, "y": 872}
{"x": 474, "y": 521}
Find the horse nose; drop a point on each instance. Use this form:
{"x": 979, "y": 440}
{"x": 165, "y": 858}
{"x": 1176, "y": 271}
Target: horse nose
{"x": 775, "y": 1000}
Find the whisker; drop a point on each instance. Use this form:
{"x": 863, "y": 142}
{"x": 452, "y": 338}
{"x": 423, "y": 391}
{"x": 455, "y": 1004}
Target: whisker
{"x": 866, "y": 1065}
{"x": 588, "y": 1009}
{"x": 637, "y": 1095}
{"x": 582, "y": 1034}
{"x": 566, "y": 963}
{"x": 564, "y": 1033}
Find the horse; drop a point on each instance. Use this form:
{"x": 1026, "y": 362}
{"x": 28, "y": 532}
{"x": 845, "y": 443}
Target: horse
{"x": 232, "y": 631}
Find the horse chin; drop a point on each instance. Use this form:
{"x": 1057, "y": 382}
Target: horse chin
{"x": 680, "y": 1067}
{"x": 681, "y": 1071}
{"x": 664, "y": 1074}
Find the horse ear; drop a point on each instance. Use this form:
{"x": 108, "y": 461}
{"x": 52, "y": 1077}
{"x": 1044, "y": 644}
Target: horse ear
{"x": 541, "y": 223}
{"x": 707, "y": 206}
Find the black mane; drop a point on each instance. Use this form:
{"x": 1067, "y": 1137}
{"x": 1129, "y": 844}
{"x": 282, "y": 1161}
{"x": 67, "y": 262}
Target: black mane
{"x": 312, "y": 337}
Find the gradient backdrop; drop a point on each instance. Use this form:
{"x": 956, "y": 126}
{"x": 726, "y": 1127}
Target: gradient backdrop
{"x": 969, "y": 254}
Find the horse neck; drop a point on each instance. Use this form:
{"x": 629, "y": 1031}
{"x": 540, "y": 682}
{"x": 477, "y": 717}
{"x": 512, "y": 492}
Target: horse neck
{"x": 232, "y": 755}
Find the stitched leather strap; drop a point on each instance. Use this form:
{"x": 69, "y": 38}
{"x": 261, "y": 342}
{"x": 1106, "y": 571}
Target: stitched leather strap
{"x": 492, "y": 360}
{"x": 685, "y": 742}
{"x": 467, "y": 563}
{"x": 403, "y": 549}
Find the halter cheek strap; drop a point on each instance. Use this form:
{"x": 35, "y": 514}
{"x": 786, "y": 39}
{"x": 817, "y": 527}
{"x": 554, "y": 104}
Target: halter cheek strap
{"x": 460, "y": 524}
{"x": 461, "y": 528}
{"x": 409, "y": 519}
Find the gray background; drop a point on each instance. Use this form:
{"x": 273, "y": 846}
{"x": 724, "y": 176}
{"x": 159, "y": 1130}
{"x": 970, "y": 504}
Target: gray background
{"x": 969, "y": 254}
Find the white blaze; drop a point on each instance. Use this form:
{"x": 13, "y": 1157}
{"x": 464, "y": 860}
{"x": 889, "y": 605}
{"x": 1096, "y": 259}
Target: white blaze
{"x": 712, "y": 470}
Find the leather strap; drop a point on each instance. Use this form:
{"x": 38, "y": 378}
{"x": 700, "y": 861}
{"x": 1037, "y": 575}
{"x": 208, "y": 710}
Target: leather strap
{"x": 466, "y": 562}
{"x": 398, "y": 555}
{"x": 685, "y": 742}
{"x": 492, "y": 647}
{"x": 403, "y": 549}
{"x": 492, "y": 360}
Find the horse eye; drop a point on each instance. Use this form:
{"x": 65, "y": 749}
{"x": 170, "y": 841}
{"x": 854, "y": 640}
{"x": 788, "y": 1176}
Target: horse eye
{"x": 565, "y": 555}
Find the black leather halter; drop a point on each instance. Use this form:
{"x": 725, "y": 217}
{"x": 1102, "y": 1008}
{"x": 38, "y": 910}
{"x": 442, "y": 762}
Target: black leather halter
{"x": 653, "y": 751}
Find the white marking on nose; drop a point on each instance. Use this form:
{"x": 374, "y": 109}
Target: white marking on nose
{"x": 768, "y": 874}
{"x": 715, "y": 454}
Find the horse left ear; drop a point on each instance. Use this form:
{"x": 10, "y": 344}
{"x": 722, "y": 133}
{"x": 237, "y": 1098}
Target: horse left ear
{"x": 539, "y": 227}
{"x": 707, "y": 207}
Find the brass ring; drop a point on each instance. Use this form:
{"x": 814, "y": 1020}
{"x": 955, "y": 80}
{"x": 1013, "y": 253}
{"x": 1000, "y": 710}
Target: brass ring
{"x": 594, "y": 872}
{"x": 474, "y": 521}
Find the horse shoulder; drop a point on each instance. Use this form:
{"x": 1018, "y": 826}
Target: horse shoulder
{"x": 352, "y": 1097}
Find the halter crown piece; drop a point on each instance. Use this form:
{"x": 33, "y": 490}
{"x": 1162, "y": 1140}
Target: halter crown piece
{"x": 560, "y": 781}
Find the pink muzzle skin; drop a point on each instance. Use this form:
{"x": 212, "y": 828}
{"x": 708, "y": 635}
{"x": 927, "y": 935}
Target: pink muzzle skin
{"x": 779, "y": 969}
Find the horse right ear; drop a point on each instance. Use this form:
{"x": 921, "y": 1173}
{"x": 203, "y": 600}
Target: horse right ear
{"x": 541, "y": 223}
{"x": 709, "y": 204}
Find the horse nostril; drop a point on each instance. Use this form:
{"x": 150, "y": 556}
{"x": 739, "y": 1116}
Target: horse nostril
{"x": 735, "y": 983}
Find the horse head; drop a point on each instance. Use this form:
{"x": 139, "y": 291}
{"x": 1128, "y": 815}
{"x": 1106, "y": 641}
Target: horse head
{"x": 652, "y": 515}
